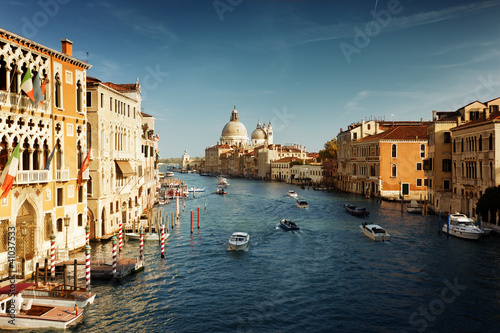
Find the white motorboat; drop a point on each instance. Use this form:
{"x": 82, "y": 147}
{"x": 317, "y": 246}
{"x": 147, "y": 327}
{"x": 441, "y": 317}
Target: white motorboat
{"x": 196, "y": 189}
{"x": 414, "y": 207}
{"x": 222, "y": 182}
{"x": 147, "y": 236}
{"x": 55, "y": 294}
{"x": 375, "y": 232}
{"x": 239, "y": 241}
{"x": 463, "y": 227}
{"x": 292, "y": 194}
{"x": 169, "y": 174}
{"x": 17, "y": 312}
{"x": 302, "y": 204}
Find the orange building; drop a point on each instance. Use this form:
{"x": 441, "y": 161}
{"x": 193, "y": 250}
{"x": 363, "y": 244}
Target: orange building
{"x": 51, "y": 126}
{"x": 390, "y": 164}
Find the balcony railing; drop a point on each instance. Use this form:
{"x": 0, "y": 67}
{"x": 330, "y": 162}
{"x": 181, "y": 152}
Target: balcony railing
{"x": 62, "y": 175}
{"x": 18, "y": 101}
{"x": 32, "y": 177}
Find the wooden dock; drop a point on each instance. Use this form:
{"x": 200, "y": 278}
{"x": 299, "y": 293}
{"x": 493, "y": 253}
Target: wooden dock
{"x": 124, "y": 267}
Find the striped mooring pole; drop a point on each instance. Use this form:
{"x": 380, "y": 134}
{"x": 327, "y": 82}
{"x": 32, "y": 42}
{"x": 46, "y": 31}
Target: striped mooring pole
{"x": 163, "y": 241}
{"x": 120, "y": 236}
{"x": 87, "y": 266}
{"x": 114, "y": 254}
{"x": 141, "y": 249}
{"x": 52, "y": 256}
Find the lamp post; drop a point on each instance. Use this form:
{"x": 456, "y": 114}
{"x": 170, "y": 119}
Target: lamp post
{"x": 66, "y": 223}
{"x": 24, "y": 232}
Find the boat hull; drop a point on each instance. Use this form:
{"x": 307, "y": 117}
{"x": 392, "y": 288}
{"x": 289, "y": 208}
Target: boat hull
{"x": 239, "y": 241}
{"x": 147, "y": 236}
{"x": 58, "y": 318}
{"x": 462, "y": 233}
{"x": 288, "y": 227}
{"x": 377, "y": 237}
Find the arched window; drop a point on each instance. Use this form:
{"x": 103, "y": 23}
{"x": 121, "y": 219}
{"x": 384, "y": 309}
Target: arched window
{"x": 393, "y": 151}
{"x": 462, "y": 148}
{"x": 89, "y": 186}
{"x": 79, "y": 97}
{"x": 394, "y": 170}
{"x": 89, "y": 135}
{"x": 57, "y": 92}
{"x": 480, "y": 143}
{"x": 3, "y": 74}
{"x": 490, "y": 142}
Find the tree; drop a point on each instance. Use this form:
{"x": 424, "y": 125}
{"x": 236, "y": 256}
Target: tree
{"x": 490, "y": 201}
{"x": 330, "y": 150}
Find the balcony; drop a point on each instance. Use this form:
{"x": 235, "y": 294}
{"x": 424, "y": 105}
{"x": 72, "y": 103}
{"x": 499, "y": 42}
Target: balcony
{"x": 23, "y": 103}
{"x": 32, "y": 177}
{"x": 62, "y": 175}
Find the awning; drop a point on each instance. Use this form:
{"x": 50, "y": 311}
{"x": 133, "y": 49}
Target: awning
{"x": 125, "y": 168}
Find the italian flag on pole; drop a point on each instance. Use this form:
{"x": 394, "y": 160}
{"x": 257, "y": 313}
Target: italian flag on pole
{"x": 27, "y": 85}
{"x": 9, "y": 173}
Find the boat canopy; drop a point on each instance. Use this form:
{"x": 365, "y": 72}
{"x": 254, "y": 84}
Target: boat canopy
{"x": 18, "y": 287}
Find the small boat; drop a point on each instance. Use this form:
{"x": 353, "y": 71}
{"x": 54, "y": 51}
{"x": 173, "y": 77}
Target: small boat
{"x": 288, "y": 225}
{"x": 292, "y": 194}
{"x": 222, "y": 182}
{"x": 239, "y": 241}
{"x": 172, "y": 194}
{"x": 56, "y": 294}
{"x": 17, "y": 312}
{"x": 414, "y": 207}
{"x": 463, "y": 227}
{"x": 147, "y": 236}
{"x": 169, "y": 174}
{"x": 196, "y": 189}
{"x": 356, "y": 211}
{"x": 302, "y": 204}
{"x": 162, "y": 201}
{"x": 375, "y": 232}
{"x": 220, "y": 191}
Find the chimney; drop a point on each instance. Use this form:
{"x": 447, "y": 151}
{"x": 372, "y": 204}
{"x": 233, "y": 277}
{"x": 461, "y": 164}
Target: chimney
{"x": 434, "y": 113}
{"x": 67, "y": 47}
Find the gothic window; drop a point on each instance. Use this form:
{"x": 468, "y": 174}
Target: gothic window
{"x": 79, "y": 97}
{"x": 57, "y": 92}
{"x": 3, "y": 74}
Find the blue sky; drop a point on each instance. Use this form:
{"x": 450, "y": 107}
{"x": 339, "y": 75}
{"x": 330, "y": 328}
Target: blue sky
{"x": 310, "y": 67}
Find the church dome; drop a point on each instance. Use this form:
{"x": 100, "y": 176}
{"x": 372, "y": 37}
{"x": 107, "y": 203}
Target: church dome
{"x": 258, "y": 134}
{"x": 234, "y": 132}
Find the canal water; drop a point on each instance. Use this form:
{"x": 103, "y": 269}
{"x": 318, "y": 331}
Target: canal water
{"x": 326, "y": 277}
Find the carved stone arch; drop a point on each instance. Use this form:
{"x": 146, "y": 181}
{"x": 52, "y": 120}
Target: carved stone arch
{"x": 26, "y": 217}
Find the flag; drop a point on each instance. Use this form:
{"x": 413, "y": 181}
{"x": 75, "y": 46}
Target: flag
{"x": 84, "y": 167}
{"x": 9, "y": 173}
{"x": 27, "y": 85}
{"x": 47, "y": 164}
{"x": 37, "y": 89}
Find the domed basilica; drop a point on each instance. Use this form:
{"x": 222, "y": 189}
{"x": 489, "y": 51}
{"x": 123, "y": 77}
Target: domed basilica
{"x": 235, "y": 133}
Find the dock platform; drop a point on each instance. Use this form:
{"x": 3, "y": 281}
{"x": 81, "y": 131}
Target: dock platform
{"x": 124, "y": 267}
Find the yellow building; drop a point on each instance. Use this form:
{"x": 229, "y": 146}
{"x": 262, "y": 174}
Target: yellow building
{"x": 43, "y": 200}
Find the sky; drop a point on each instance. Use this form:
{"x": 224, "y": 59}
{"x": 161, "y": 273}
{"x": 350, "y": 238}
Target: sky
{"x": 310, "y": 67}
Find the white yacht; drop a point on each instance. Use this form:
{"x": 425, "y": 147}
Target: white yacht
{"x": 239, "y": 241}
{"x": 463, "y": 227}
{"x": 375, "y": 232}
{"x": 292, "y": 194}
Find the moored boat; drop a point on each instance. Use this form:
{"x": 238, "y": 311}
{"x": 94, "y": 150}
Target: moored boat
{"x": 239, "y": 241}
{"x": 288, "y": 225}
{"x": 17, "y": 312}
{"x": 375, "y": 232}
{"x": 414, "y": 207}
{"x": 56, "y": 294}
{"x": 356, "y": 211}
{"x": 463, "y": 227}
{"x": 147, "y": 236}
{"x": 196, "y": 189}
